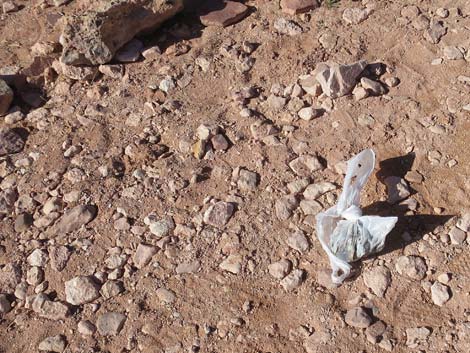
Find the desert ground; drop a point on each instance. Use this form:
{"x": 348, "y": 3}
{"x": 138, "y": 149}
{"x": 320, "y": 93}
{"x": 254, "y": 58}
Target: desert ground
{"x": 160, "y": 195}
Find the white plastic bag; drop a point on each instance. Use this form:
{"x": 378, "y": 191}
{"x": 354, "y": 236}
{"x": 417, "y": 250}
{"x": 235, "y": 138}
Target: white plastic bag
{"x": 345, "y": 234}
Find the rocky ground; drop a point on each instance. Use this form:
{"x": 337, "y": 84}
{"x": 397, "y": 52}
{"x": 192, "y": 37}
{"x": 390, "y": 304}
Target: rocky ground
{"x": 163, "y": 197}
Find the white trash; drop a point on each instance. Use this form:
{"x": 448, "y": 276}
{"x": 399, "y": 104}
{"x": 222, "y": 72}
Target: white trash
{"x": 345, "y": 234}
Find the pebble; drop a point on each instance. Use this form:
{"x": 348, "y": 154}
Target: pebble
{"x": 354, "y": 16}
{"x": 444, "y": 278}
{"x": 75, "y": 218}
{"x": 86, "y": 328}
{"x": 416, "y": 335}
{"x": 293, "y": 280}
{"x": 53, "y": 344}
{"x": 360, "y": 93}
{"x": 287, "y": 27}
{"x": 412, "y": 266}
{"x": 414, "y": 176}
{"x": 442, "y": 12}
{"x": 305, "y": 165}
{"x": 397, "y": 189}
{"x": 38, "y": 258}
{"x": 358, "y": 317}
{"x": 452, "y": 53}
{"x": 59, "y": 256}
{"x": 232, "y": 264}
{"x": 143, "y": 255}
{"x": 310, "y": 207}
{"x": 9, "y": 6}
{"x": 10, "y": 142}
{"x": 309, "y": 113}
{"x": 34, "y": 276}
{"x": 378, "y": 279}
{"x": 230, "y": 13}
{"x": 440, "y": 293}
{"x": 152, "y": 53}
{"x": 81, "y": 290}
{"x": 113, "y": 71}
{"x": 464, "y": 222}
{"x": 392, "y": 81}
{"x": 219, "y": 214}
{"x": 165, "y": 295}
{"x": 314, "y": 191}
{"x": 188, "y": 267}
{"x": 111, "y": 289}
{"x": 23, "y": 222}
{"x": 110, "y": 323}
{"x": 373, "y": 87}
{"x": 52, "y": 310}
{"x": 285, "y": 206}
{"x": 339, "y": 80}
{"x": 375, "y": 331}
{"x": 298, "y": 185}
{"x": 298, "y": 241}
{"x": 294, "y": 7}
{"x": 5, "y": 305}
{"x": 247, "y": 180}
{"x": 280, "y": 269}
{"x": 161, "y": 228}
{"x": 219, "y": 142}
{"x": 14, "y": 117}
{"x": 435, "y": 32}
{"x": 457, "y": 236}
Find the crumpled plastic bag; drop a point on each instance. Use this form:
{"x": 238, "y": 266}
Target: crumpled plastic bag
{"x": 346, "y": 235}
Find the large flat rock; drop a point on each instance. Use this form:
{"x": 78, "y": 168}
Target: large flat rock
{"x": 93, "y": 36}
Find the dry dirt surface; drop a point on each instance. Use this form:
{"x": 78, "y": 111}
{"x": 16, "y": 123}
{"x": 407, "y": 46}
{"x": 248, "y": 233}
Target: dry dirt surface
{"x": 167, "y": 204}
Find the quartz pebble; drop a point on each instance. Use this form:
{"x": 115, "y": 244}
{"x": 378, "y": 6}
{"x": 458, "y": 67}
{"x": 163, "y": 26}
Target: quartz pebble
{"x": 440, "y": 293}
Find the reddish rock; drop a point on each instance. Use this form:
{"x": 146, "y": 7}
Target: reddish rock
{"x": 228, "y": 13}
{"x": 294, "y": 7}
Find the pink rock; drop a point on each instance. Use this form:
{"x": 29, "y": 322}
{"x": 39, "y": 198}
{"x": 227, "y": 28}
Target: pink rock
{"x": 293, "y": 7}
{"x": 230, "y": 12}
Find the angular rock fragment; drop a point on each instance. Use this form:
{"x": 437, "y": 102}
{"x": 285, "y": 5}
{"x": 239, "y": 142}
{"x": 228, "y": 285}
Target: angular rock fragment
{"x": 354, "y": 16}
{"x": 294, "y": 7}
{"x": 81, "y": 290}
{"x": 293, "y": 280}
{"x": 230, "y": 12}
{"x": 440, "y": 293}
{"x": 378, "y": 280}
{"x": 314, "y": 191}
{"x": 305, "y": 165}
{"x": 10, "y": 142}
{"x": 144, "y": 254}
{"x": 288, "y": 27}
{"x": 339, "y": 80}
{"x": 285, "y": 206}
{"x": 110, "y": 324}
{"x": 75, "y": 218}
{"x": 219, "y": 214}
{"x": 94, "y": 36}
{"x": 53, "y": 344}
